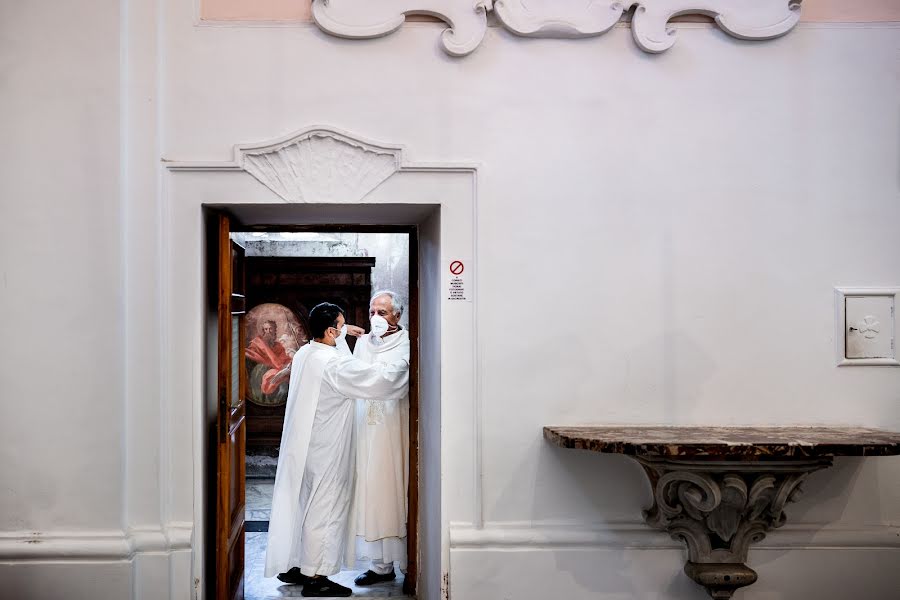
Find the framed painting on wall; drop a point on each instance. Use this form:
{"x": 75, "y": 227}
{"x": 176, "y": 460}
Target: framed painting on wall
{"x": 275, "y": 335}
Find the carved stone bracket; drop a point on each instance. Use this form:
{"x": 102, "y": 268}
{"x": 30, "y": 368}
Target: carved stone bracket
{"x": 720, "y": 489}
{"x": 744, "y": 19}
{"x": 719, "y": 507}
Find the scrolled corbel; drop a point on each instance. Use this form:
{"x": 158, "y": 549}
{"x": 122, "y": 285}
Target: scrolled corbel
{"x": 719, "y": 508}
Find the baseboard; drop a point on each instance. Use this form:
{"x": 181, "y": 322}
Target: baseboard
{"x": 141, "y": 563}
{"x": 608, "y": 573}
{"x": 72, "y": 579}
{"x": 614, "y": 561}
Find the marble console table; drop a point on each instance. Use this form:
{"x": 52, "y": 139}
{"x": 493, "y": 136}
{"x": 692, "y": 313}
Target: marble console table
{"x": 719, "y": 489}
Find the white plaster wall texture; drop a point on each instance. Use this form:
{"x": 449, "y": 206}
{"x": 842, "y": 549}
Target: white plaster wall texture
{"x": 391, "y": 270}
{"x": 669, "y": 229}
{"x": 62, "y": 375}
{"x": 60, "y": 251}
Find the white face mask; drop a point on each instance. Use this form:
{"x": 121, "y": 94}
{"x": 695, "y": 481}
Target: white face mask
{"x": 342, "y": 335}
{"x": 379, "y": 325}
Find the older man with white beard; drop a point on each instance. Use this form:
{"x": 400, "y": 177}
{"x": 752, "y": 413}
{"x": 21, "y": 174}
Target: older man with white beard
{"x": 379, "y": 511}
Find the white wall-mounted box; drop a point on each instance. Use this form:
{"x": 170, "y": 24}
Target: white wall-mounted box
{"x": 866, "y": 326}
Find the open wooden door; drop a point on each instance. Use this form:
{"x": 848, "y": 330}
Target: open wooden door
{"x": 230, "y": 420}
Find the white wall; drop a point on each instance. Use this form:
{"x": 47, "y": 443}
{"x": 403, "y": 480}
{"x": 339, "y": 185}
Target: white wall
{"x": 81, "y": 502}
{"x": 61, "y": 372}
{"x": 663, "y": 232}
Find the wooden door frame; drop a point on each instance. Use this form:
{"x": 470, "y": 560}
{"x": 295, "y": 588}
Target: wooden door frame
{"x": 225, "y": 280}
{"x": 412, "y": 525}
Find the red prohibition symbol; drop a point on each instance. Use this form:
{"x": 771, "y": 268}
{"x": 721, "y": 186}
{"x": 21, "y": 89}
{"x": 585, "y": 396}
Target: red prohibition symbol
{"x": 456, "y": 267}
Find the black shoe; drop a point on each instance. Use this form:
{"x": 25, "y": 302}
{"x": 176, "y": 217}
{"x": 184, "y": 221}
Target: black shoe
{"x": 371, "y": 577}
{"x": 322, "y": 587}
{"x": 293, "y": 577}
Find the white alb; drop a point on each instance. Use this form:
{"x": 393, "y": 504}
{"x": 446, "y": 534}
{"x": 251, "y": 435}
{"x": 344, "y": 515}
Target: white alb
{"x": 314, "y": 481}
{"x": 379, "y": 511}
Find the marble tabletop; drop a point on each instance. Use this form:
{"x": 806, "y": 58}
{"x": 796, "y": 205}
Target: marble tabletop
{"x": 728, "y": 442}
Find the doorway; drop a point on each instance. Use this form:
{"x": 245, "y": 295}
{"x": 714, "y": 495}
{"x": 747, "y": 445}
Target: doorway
{"x": 441, "y": 200}
{"x": 278, "y": 272}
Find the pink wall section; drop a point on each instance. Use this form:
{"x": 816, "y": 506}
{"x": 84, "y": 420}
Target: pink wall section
{"x": 835, "y": 11}
{"x": 255, "y": 10}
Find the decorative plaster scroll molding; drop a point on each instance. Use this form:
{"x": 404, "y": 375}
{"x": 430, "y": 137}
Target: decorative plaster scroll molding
{"x": 744, "y": 19}
{"x": 361, "y": 19}
{"x": 559, "y": 18}
{"x": 319, "y": 165}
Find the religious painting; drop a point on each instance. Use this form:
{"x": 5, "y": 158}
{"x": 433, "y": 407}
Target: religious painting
{"x": 275, "y": 335}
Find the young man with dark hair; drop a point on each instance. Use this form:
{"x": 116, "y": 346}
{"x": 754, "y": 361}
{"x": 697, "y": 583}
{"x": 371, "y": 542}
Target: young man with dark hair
{"x": 324, "y": 316}
{"x": 308, "y": 529}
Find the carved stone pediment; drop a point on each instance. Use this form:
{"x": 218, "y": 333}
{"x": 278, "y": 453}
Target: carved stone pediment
{"x": 467, "y": 19}
{"x": 319, "y": 164}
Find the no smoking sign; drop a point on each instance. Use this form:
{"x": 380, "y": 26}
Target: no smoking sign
{"x": 457, "y": 290}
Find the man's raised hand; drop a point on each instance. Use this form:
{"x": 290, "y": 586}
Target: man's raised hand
{"x": 355, "y": 331}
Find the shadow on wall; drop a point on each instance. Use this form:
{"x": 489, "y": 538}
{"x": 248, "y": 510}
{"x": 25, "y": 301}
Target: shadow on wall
{"x": 824, "y": 501}
{"x": 618, "y": 483}
{"x": 831, "y": 490}
{"x": 631, "y": 573}
{"x": 579, "y": 487}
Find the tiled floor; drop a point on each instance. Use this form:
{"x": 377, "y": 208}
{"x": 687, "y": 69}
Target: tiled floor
{"x": 257, "y": 587}
{"x": 258, "y": 496}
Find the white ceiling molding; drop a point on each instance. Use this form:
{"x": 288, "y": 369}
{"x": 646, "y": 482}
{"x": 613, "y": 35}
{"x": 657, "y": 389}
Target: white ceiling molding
{"x": 744, "y": 19}
{"x": 361, "y": 19}
{"x": 319, "y": 165}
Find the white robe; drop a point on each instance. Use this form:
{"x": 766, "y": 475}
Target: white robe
{"x": 379, "y": 511}
{"x": 314, "y": 480}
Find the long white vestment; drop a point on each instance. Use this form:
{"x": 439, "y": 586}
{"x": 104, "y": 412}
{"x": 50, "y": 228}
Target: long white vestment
{"x": 379, "y": 510}
{"x": 309, "y": 525}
